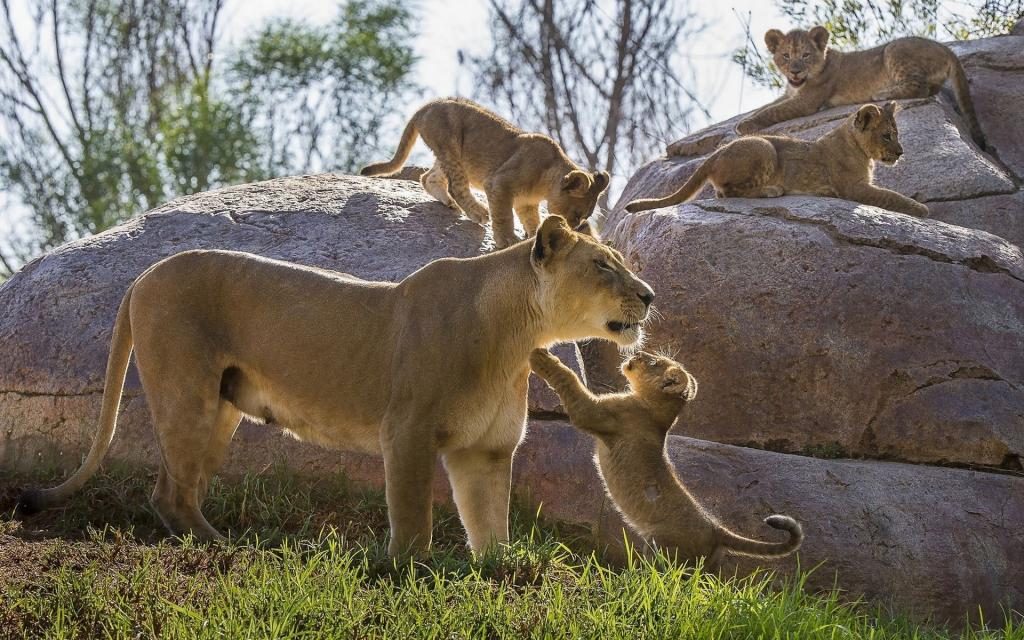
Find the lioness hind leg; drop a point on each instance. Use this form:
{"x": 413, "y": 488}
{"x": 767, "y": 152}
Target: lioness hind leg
{"x": 193, "y": 430}
{"x": 436, "y": 184}
{"x": 481, "y": 485}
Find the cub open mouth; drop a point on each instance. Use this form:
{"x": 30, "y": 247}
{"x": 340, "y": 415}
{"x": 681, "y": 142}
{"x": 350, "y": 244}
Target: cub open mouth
{"x": 796, "y": 82}
{"x": 618, "y": 327}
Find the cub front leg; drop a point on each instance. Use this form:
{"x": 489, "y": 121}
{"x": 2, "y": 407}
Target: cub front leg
{"x": 529, "y": 215}
{"x": 410, "y": 456}
{"x": 499, "y": 199}
{"x": 583, "y": 407}
{"x": 785, "y": 109}
{"x": 887, "y": 199}
{"x": 481, "y": 482}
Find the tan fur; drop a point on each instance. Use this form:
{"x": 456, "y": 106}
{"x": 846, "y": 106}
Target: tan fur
{"x": 631, "y": 429}
{"x": 434, "y": 365}
{"x": 516, "y": 170}
{"x": 839, "y": 164}
{"x": 820, "y": 77}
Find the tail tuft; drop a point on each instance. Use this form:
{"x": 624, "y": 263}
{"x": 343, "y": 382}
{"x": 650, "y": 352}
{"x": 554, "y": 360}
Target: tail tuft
{"x": 30, "y": 502}
{"x": 366, "y": 171}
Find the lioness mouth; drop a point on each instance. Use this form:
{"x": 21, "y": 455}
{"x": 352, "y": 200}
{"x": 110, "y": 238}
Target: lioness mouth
{"x": 618, "y": 327}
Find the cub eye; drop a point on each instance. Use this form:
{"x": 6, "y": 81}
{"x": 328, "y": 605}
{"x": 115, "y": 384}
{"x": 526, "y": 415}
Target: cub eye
{"x": 652, "y": 362}
{"x": 887, "y": 137}
{"x": 806, "y": 55}
{"x": 603, "y": 266}
{"x": 785, "y": 56}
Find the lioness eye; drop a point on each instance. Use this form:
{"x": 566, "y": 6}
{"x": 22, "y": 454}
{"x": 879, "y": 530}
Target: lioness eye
{"x": 785, "y": 56}
{"x": 887, "y": 137}
{"x": 807, "y": 55}
{"x": 602, "y": 265}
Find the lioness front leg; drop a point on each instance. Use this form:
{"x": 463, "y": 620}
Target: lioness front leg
{"x": 481, "y": 485}
{"x": 410, "y": 456}
{"x": 887, "y": 199}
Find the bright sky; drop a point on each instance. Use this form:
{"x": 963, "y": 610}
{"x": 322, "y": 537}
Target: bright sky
{"x": 447, "y": 26}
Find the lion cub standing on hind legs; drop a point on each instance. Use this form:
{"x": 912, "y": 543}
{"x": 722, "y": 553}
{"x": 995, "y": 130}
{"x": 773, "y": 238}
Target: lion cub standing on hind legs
{"x": 517, "y": 170}
{"x": 838, "y": 164}
{"x": 630, "y": 429}
{"x": 820, "y": 77}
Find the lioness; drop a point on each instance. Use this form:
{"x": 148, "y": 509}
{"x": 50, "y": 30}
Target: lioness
{"x": 839, "y": 164}
{"x": 516, "y": 170}
{"x": 820, "y": 77}
{"x": 630, "y": 429}
{"x": 435, "y": 364}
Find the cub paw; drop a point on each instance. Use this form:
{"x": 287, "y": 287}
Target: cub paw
{"x": 541, "y": 359}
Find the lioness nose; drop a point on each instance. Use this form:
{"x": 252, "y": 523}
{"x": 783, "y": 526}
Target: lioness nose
{"x": 647, "y": 297}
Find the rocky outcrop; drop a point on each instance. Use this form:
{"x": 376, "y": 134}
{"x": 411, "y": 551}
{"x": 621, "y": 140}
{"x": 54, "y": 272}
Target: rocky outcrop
{"x": 817, "y": 326}
{"x": 931, "y": 542}
{"x": 942, "y": 166}
{"x": 57, "y": 314}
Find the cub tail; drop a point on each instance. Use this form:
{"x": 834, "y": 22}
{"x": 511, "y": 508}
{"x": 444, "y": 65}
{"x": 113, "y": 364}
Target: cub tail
{"x": 35, "y": 500}
{"x": 404, "y": 149}
{"x": 962, "y": 90}
{"x": 758, "y": 549}
{"x": 684, "y": 194}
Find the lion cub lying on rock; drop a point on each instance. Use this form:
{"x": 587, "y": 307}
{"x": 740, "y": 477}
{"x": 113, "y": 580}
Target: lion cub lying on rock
{"x": 517, "y": 170}
{"x": 839, "y": 164}
{"x": 631, "y": 428}
{"x": 820, "y": 77}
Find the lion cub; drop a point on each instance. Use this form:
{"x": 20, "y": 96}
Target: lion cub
{"x": 631, "y": 429}
{"x": 820, "y": 77}
{"x": 516, "y": 170}
{"x": 839, "y": 164}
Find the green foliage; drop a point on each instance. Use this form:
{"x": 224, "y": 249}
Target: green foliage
{"x": 320, "y": 96}
{"x": 857, "y": 24}
{"x": 323, "y": 572}
{"x": 110, "y": 107}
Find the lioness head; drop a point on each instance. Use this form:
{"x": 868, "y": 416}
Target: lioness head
{"x": 799, "y": 54}
{"x": 585, "y": 287}
{"x": 575, "y": 195}
{"x": 876, "y": 132}
{"x": 656, "y": 377}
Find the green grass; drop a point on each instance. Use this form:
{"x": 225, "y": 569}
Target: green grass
{"x": 308, "y": 561}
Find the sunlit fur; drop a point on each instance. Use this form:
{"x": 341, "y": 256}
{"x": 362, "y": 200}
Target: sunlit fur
{"x": 631, "y": 429}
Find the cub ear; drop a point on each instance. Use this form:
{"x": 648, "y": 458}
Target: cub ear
{"x": 678, "y": 382}
{"x": 553, "y": 237}
{"x": 586, "y": 229}
{"x": 889, "y": 108}
{"x": 576, "y": 182}
{"x": 601, "y": 181}
{"x": 773, "y": 38}
{"x": 820, "y": 36}
{"x": 866, "y": 116}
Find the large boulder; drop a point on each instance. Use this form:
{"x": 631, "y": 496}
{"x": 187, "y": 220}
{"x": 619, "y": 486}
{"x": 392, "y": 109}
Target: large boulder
{"x": 942, "y": 166}
{"x": 929, "y": 541}
{"x": 818, "y": 326}
{"x": 57, "y": 314}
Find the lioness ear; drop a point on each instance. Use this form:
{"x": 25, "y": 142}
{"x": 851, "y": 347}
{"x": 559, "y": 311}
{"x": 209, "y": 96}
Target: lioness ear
{"x": 866, "y": 116}
{"x": 820, "y": 36}
{"x": 678, "y": 382}
{"x": 585, "y": 228}
{"x": 576, "y": 182}
{"x": 553, "y": 237}
{"x": 889, "y": 108}
{"x": 601, "y": 180}
{"x": 773, "y": 38}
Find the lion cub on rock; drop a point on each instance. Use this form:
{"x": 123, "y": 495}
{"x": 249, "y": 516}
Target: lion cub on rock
{"x": 820, "y": 77}
{"x": 516, "y": 170}
{"x": 839, "y": 164}
{"x": 631, "y": 429}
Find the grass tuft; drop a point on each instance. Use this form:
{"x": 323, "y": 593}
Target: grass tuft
{"x": 307, "y": 559}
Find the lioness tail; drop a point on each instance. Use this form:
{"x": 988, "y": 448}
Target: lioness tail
{"x": 33, "y": 500}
